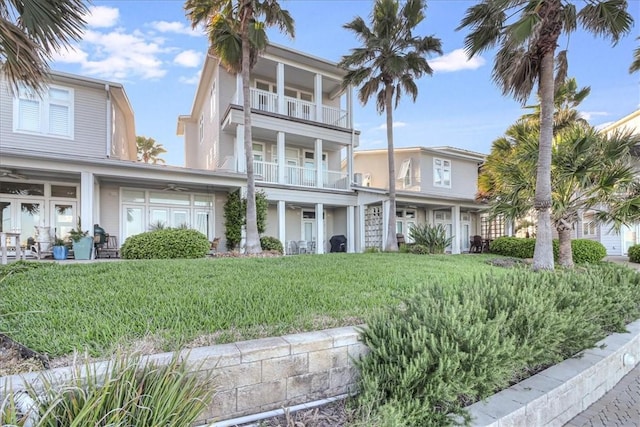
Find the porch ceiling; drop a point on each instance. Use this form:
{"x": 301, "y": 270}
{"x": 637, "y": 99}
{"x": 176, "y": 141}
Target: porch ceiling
{"x": 265, "y": 69}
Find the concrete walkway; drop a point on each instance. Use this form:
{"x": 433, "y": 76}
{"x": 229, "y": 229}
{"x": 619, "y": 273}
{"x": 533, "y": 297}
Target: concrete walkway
{"x": 620, "y": 407}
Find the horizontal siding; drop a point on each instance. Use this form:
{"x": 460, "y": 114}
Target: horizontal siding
{"x": 90, "y": 127}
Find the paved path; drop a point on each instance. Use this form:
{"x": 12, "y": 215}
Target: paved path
{"x": 620, "y": 407}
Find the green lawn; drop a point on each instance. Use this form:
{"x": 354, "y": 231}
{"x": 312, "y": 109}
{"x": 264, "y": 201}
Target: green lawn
{"x": 56, "y": 309}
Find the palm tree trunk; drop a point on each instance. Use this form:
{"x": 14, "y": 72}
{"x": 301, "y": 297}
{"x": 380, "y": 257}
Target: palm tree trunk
{"x": 565, "y": 254}
{"x": 252, "y": 245}
{"x": 392, "y": 243}
{"x": 543, "y": 253}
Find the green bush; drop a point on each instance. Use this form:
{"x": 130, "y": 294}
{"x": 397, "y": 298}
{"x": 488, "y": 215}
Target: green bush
{"x": 418, "y": 249}
{"x": 634, "y": 253}
{"x": 451, "y": 345}
{"x": 269, "y": 243}
{"x": 513, "y": 247}
{"x": 128, "y": 393}
{"x": 167, "y": 243}
{"x": 433, "y": 237}
{"x": 584, "y": 250}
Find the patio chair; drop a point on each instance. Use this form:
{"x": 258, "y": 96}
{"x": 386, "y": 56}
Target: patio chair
{"x": 214, "y": 246}
{"x": 108, "y": 249}
{"x": 476, "y": 245}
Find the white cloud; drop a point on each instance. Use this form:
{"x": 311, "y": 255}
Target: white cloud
{"x": 193, "y": 80}
{"x": 455, "y": 61}
{"x": 588, "y": 115}
{"x": 117, "y": 55}
{"x": 102, "y": 16}
{"x": 73, "y": 55}
{"x": 175, "y": 27}
{"x": 188, "y": 58}
{"x": 395, "y": 125}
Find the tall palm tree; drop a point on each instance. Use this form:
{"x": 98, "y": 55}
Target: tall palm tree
{"x": 31, "y": 31}
{"x": 527, "y": 33}
{"x": 635, "y": 65}
{"x": 149, "y": 150}
{"x": 237, "y": 35}
{"x": 387, "y": 64}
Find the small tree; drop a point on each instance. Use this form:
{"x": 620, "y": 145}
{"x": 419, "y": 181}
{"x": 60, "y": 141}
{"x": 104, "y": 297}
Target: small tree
{"x": 235, "y": 218}
{"x": 149, "y": 150}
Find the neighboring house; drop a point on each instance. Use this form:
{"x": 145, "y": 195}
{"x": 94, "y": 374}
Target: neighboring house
{"x": 616, "y": 243}
{"x": 435, "y": 185}
{"x": 302, "y": 131}
{"x": 71, "y": 153}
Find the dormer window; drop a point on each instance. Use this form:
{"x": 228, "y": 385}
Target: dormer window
{"x": 405, "y": 174}
{"x": 50, "y": 113}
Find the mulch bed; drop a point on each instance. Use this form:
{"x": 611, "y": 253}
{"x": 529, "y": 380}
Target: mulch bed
{"x": 16, "y": 358}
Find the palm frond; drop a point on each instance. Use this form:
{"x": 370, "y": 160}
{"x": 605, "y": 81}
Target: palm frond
{"x": 607, "y": 18}
{"x": 635, "y": 65}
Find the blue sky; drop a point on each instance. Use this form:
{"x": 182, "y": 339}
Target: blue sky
{"x": 149, "y": 47}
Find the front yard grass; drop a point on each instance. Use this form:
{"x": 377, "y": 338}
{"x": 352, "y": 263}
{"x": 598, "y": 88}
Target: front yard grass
{"x": 56, "y": 309}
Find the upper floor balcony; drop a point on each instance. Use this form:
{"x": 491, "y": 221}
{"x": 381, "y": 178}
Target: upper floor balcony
{"x": 300, "y": 176}
{"x": 298, "y": 108}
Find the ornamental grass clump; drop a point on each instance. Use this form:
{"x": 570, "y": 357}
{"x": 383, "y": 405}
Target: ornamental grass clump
{"x": 128, "y": 392}
{"x": 451, "y": 345}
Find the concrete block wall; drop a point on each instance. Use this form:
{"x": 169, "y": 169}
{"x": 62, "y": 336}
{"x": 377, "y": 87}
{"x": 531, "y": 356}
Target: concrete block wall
{"x": 556, "y": 395}
{"x": 259, "y": 375}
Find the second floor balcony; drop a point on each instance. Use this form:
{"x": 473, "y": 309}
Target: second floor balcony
{"x": 297, "y": 108}
{"x": 300, "y": 176}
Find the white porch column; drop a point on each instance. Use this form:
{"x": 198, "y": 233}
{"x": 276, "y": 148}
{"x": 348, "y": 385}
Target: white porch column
{"x": 385, "y": 222}
{"x": 280, "y": 88}
{"x": 239, "y": 97}
{"x": 456, "y": 230}
{"x": 319, "y": 228}
{"x": 282, "y": 165}
{"x": 282, "y": 235}
{"x": 318, "y": 157}
{"x": 350, "y": 107}
{"x": 350, "y": 229}
{"x": 241, "y": 163}
{"x": 509, "y": 227}
{"x": 349, "y": 165}
{"x": 87, "y": 203}
{"x": 317, "y": 95}
{"x": 361, "y": 240}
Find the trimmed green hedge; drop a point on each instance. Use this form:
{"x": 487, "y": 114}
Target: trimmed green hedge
{"x": 454, "y": 344}
{"x": 634, "y": 253}
{"x": 268, "y": 243}
{"x": 167, "y": 243}
{"x": 584, "y": 250}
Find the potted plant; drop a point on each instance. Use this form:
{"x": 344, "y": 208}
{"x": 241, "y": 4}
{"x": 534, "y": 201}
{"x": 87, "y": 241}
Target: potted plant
{"x": 60, "y": 250}
{"x": 82, "y": 242}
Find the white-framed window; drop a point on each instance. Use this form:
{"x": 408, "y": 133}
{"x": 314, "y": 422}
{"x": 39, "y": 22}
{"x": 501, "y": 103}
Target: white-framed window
{"x": 441, "y": 173}
{"x": 266, "y": 86}
{"x": 201, "y": 128}
{"x": 50, "y": 113}
{"x": 405, "y": 174}
{"x": 589, "y": 226}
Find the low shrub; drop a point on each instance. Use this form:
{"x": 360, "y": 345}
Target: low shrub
{"x": 634, "y": 253}
{"x": 127, "y": 394}
{"x": 418, "y": 249}
{"x": 584, "y": 250}
{"x": 513, "y": 246}
{"x": 165, "y": 244}
{"x": 452, "y": 345}
{"x": 269, "y": 243}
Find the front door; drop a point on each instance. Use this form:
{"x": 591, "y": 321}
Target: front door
{"x": 62, "y": 217}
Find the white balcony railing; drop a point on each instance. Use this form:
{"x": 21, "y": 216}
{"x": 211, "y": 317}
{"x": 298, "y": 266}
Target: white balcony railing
{"x": 335, "y": 179}
{"x": 265, "y": 171}
{"x": 268, "y": 101}
{"x": 298, "y": 175}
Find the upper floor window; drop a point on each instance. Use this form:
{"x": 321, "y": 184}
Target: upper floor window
{"x": 201, "y": 128}
{"x": 49, "y": 114}
{"x": 212, "y": 101}
{"x": 441, "y": 173}
{"x": 405, "y": 173}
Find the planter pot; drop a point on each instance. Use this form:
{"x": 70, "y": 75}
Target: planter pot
{"x": 60, "y": 252}
{"x": 82, "y": 248}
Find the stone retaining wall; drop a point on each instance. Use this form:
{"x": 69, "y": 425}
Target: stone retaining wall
{"x": 260, "y": 375}
{"x": 556, "y": 395}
